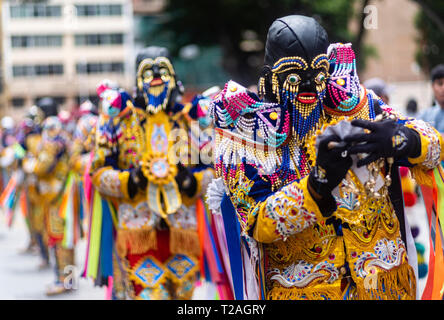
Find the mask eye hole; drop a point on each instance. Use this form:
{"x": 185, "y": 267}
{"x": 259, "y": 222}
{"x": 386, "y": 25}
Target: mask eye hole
{"x": 320, "y": 78}
{"x": 148, "y": 74}
{"x": 163, "y": 72}
{"x": 293, "y": 79}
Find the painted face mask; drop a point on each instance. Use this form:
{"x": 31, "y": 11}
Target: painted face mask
{"x": 300, "y": 83}
{"x": 295, "y": 70}
{"x": 52, "y": 128}
{"x": 156, "y": 80}
{"x": 111, "y": 102}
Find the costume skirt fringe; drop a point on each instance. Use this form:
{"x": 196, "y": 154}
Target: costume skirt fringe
{"x": 396, "y": 284}
{"x": 135, "y": 241}
{"x": 184, "y": 241}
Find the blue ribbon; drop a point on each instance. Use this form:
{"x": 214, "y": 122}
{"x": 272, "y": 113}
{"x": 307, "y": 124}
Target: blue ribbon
{"x": 106, "y": 240}
{"x": 232, "y": 232}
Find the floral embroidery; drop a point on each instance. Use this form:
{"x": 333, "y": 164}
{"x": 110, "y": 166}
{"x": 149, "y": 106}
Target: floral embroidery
{"x": 137, "y": 217}
{"x": 287, "y": 209}
{"x": 387, "y": 255}
{"x": 300, "y": 274}
{"x": 432, "y": 158}
{"x": 110, "y": 183}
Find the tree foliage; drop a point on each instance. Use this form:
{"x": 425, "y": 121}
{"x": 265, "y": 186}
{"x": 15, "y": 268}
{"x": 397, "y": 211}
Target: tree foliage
{"x": 430, "y": 24}
{"x": 239, "y": 27}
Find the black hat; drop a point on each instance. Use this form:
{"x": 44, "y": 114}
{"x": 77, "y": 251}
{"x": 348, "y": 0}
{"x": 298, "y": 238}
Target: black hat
{"x": 295, "y": 35}
{"x": 437, "y": 72}
{"x": 152, "y": 52}
{"x": 49, "y": 106}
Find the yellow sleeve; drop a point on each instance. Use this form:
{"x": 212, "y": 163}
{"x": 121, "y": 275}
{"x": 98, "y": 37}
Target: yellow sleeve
{"x": 111, "y": 183}
{"x": 286, "y": 212}
{"x": 432, "y": 150}
{"x": 281, "y": 214}
{"x": 46, "y": 159}
{"x": 431, "y": 144}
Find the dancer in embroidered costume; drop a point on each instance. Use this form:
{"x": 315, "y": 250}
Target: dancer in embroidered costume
{"x": 310, "y": 172}
{"x": 29, "y": 136}
{"x": 136, "y": 169}
{"x": 49, "y": 165}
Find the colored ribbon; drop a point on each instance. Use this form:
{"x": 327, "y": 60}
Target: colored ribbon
{"x": 434, "y": 202}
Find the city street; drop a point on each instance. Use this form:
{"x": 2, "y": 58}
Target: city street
{"x": 19, "y": 275}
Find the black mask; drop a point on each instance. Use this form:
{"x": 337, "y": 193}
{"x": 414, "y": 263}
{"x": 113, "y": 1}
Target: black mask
{"x": 296, "y": 69}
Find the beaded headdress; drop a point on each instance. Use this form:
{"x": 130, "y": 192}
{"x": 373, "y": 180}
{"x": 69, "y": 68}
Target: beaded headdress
{"x": 343, "y": 86}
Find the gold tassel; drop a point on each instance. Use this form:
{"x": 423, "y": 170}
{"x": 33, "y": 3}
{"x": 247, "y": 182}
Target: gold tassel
{"x": 135, "y": 241}
{"x": 421, "y": 177}
{"x": 184, "y": 241}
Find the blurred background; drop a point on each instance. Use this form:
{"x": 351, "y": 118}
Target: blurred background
{"x": 63, "y": 48}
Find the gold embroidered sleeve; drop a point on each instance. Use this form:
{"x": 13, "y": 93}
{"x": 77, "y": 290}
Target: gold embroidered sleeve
{"x": 111, "y": 183}
{"x": 280, "y": 215}
{"x": 431, "y": 141}
{"x": 432, "y": 150}
{"x": 431, "y": 144}
{"x": 46, "y": 159}
{"x": 286, "y": 212}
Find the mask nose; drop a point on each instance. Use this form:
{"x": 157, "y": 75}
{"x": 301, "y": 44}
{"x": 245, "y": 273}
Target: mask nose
{"x": 306, "y": 85}
{"x": 156, "y": 73}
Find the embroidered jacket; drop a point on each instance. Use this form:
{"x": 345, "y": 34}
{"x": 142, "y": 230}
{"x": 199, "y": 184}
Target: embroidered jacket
{"x": 358, "y": 252}
{"x": 120, "y": 146}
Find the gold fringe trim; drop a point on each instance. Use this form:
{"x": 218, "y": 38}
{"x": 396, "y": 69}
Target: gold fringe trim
{"x": 280, "y": 293}
{"x": 135, "y": 241}
{"x": 396, "y": 284}
{"x": 184, "y": 241}
{"x": 421, "y": 177}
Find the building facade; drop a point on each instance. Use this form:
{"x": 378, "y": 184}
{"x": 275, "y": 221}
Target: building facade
{"x": 393, "y": 35}
{"x": 63, "y": 48}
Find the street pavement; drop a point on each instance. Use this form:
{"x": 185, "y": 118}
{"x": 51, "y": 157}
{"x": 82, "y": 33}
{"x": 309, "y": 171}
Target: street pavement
{"x": 20, "y": 278}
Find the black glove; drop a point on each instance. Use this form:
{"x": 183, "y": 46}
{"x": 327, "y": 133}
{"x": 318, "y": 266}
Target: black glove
{"x": 331, "y": 167}
{"x": 186, "y": 181}
{"x": 136, "y": 181}
{"x": 386, "y": 139}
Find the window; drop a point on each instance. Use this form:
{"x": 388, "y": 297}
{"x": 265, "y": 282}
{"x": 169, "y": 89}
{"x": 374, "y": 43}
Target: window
{"x": 93, "y": 98}
{"x": 98, "y": 39}
{"x": 34, "y": 10}
{"x": 57, "y": 99}
{"x": 37, "y": 70}
{"x": 17, "y": 102}
{"x": 36, "y": 41}
{"x": 99, "y": 10}
{"x": 99, "y": 67}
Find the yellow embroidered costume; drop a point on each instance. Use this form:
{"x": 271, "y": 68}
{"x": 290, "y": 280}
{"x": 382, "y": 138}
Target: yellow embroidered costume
{"x": 50, "y": 167}
{"x": 136, "y": 167}
{"x": 319, "y": 225}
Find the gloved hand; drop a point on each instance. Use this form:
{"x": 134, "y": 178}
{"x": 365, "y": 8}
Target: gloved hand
{"x": 186, "y": 181}
{"x": 136, "y": 181}
{"x": 331, "y": 167}
{"x": 387, "y": 139}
